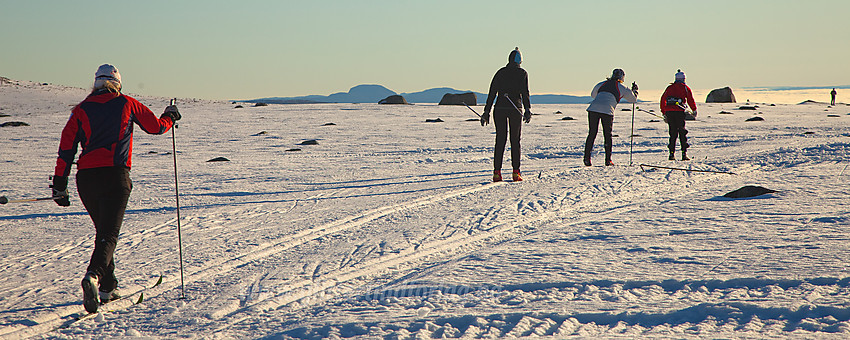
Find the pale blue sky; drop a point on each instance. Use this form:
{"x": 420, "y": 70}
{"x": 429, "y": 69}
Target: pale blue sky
{"x": 250, "y": 49}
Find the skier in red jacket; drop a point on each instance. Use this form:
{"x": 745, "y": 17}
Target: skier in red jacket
{"x": 673, "y": 102}
{"x": 102, "y": 125}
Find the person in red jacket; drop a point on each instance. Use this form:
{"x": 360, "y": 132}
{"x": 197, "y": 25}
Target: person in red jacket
{"x": 673, "y": 106}
{"x": 102, "y": 125}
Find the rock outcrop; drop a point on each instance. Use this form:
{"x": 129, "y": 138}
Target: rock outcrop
{"x": 723, "y": 95}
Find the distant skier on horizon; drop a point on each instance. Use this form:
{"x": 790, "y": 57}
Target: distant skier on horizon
{"x": 509, "y": 87}
{"x": 833, "y": 93}
{"x": 102, "y": 124}
{"x": 673, "y": 102}
{"x": 606, "y": 95}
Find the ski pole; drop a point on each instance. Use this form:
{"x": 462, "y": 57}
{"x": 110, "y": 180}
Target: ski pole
{"x": 682, "y": 169}
{"x": 649, "y": 112}
{"x": 512, "y": 103}
{"x": 632, "y": 138}
{"x": 177, "y": 200}
{"x": 4, "y": 200}
{"x": 473, "y": 110}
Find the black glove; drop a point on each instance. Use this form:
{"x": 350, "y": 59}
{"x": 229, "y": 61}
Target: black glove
{"x": 60, "y": 191}
{"x": 171, "y": 112}
{"x": 635, "y": 88}
{"x": 485, "y": 118}
{"x": 527, "y": 117}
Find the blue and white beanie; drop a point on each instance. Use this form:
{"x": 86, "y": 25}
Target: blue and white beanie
{"x": 680, "y": 76}
{"x": 515, "y": 56}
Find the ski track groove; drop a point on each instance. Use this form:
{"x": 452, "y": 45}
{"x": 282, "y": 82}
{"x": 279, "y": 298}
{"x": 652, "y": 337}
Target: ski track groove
{"x": 298, "y": 294}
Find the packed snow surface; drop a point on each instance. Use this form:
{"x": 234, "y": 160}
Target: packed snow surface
{"x": 387, "y": 226}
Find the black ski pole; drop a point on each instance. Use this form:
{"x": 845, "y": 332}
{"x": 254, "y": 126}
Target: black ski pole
{"x": 632, "y": 138}
{"x": 177, "y": 199}
{"x": 4, "y": 200}
{"x": 473, "y": 110}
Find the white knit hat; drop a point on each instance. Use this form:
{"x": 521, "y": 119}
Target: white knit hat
{"x": 680, "y": 75}
{"x": 107, "y": 72}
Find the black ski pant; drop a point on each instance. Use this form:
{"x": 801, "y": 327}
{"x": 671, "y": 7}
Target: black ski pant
{"x": 105, "y": 192}
{"x": 593, "y": 119}
{"x": 507, "y": 120}
{"x": 676, "y": 128}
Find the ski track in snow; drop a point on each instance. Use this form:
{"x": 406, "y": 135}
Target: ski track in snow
{"x": 367, "y": 235}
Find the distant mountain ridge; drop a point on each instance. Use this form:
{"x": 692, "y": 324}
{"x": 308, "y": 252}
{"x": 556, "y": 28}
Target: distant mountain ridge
{"x": 372, "y": 93}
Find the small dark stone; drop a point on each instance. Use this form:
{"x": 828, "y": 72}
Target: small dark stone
{"x": 438, "y": 120}
{"x": 833, "y": 116}
{"x": 261, "y": 133}
{"x": 328, "y": 124}
{"x": 568, "y": 118}
{"x": 755, "y": 119}
{"x": 725, "y": 113}
{"x": 748, "y": 107}
{"x": 748, "y": 191}
{"x": 219, "y": 159}
{"x": 238, "y": 107}
{"x": 14, "y": 124}
{"x": 261, "y": 104}
{"x": 309, "y": 142}
{"x": 809, "y": 133}
{"x": 293, "y": 149}
{"x": 473, "y": 120}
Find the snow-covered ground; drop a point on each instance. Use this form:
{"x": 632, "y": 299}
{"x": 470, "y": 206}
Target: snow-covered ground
{"x": 390, "y": 228}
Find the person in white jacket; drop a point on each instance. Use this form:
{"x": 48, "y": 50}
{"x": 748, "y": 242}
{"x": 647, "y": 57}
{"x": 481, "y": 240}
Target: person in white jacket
{"x": 606, "y": 95}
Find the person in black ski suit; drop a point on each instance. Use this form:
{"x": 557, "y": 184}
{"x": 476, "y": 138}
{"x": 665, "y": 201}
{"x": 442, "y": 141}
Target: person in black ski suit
{"x": 508, "y": 88}
{"x": 102, "y": 125}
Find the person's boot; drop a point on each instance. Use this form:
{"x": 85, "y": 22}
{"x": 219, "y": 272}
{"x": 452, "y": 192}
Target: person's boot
{"x": 608, "y": 162}
{"x": 497, "y": 175}
{"x": 516, "y": 176}
{"x": 685, "y": 156}
{"x": 91, "y": 298}
{"x": 108, "y": 296}
{"x": 672, "y": 156}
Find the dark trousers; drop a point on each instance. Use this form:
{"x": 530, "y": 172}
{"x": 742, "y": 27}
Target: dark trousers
{"x": 507, "y": 120}
{"x": 593, "y": 119}
{"x": 676, "y": 128}
{"x": 104, "y": 192}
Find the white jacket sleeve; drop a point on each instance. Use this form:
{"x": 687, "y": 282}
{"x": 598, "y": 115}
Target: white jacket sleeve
{"x": 627, "y": 94}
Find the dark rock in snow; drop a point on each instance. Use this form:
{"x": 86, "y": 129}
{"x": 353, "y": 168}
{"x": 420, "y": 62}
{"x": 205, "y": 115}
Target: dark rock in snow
{"x": 755, "y": 119}
{"x": 394, "y": 99}
{"x": 438, "y": 120}
{"x": 748, "y": 107}
{"x": 261, "y": 104}
{"x": 14, "y": 124}
{"x": 219, "y": 159}
{"x": 459, "y": 99}
{"x": 568, "y": 118}
{"x": 293, "y": 149}
{"x": 238, "y": 107}
{"x": 328, "y": 124}
{"x": 309, "y": 142}
{"x": 723, "y": 95}
{"x": 748, "y": 191}
{"x": 261, "y": 133}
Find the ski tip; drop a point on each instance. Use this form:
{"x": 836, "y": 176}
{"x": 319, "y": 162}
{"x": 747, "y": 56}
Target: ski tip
{"x": 141, "y": 298}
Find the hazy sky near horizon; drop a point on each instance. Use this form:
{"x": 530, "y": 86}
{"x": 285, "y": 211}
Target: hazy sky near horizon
{"x": 251, "y": 49}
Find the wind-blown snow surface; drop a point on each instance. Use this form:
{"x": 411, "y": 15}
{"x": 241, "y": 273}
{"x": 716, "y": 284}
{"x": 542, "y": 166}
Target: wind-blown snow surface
{"x": 389, "y": 227}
